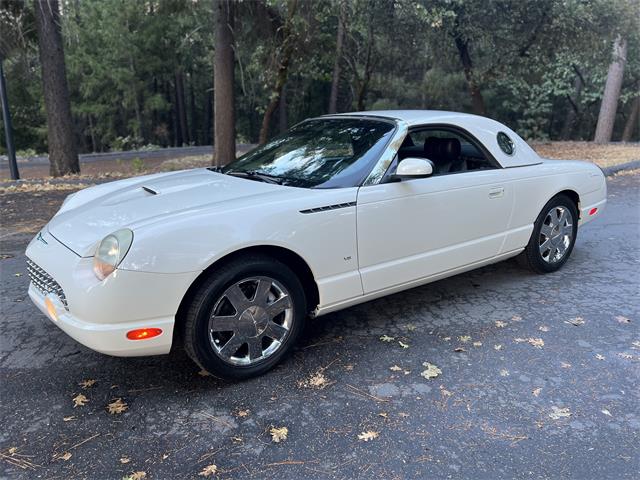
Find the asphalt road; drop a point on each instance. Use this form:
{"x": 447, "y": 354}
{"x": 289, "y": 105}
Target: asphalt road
{"x": 522, "y": 393}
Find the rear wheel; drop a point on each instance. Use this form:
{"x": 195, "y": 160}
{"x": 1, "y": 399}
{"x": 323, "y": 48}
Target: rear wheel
{"x": 553, "y": 237}
{"x": 245, "y": 317}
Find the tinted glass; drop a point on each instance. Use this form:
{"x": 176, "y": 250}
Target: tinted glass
{"x": 323, "y": 153}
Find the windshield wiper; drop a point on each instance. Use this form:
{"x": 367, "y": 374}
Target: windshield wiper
{"x": 260, "y": 177}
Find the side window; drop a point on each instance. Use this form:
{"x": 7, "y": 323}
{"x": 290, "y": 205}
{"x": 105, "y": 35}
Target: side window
{"x": 449, "y": 150}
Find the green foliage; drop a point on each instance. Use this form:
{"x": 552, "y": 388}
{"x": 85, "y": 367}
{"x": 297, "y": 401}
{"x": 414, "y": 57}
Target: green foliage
{"x": 129, "y": 62}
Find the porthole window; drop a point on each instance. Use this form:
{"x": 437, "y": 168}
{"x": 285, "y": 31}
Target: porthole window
{"x": 505, "y": 143}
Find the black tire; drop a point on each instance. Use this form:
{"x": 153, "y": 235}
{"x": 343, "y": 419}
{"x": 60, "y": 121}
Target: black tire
{"x": 532, "y": 257}
{"x": 196, "y": 338}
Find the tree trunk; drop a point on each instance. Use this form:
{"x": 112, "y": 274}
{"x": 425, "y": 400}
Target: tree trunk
{"x": 477, "y": 101}
{"x": 335, "y": 81}
{"x": 63, "y": 153}
{"x": 572, "y": 113}
{"x": 223, "y": 78}
{"x": 632, "y": 121}
{"x": 283, "y": 59}
{"x": 283, "y": 120}
{"x": 181, "y": 111}
{"x": 609, "y": 105}
{"x": 363, "y": 88}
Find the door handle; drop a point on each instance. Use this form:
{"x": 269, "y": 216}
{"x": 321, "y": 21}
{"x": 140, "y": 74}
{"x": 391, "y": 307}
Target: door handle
{"x": 496, "y": 192}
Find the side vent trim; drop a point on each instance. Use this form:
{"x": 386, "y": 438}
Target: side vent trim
{"x": 328, "y": 207}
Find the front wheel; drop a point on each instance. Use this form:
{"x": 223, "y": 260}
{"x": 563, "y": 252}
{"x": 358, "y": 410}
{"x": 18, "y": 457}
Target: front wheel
{"x": 245, "y": 317}
{"x": 554, "y": 235}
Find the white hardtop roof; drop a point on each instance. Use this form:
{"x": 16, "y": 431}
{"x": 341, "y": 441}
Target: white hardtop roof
{"x": 482, "y": 128}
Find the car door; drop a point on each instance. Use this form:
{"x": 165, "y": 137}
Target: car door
{"x": 414, "y": 229}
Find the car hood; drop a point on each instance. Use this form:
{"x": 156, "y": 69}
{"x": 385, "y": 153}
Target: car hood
{"x": 91, "y": 214}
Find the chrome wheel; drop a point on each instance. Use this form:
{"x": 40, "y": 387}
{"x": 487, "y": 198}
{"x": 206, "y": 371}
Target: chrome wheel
{"x": 250, "y": 320}
{"x": 556, "y": 234}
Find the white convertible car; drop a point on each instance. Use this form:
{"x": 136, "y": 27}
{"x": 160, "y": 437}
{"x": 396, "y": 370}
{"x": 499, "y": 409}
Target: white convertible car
{"x": 339, "y": 210}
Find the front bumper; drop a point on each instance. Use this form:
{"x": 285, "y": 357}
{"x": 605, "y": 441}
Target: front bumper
{"x": 98, "y": 313}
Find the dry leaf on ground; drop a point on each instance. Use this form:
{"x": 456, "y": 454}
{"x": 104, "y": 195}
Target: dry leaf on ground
{"x": 136, "y": 476}
{"x": 464, "y": 338}
{"x": 565, "y": 365}
{"x": 69, "y": 418}
{"x": 606, "y": 412}
{"x": 403, "y": 345}
{"x": 87, "y": 383}
{"x": 622, "y": 319}
{"x": 243, "y": 413}
{"x": 500, "y": 324}
{"x": 208, "y": 471}
{"x": 65, "y": 456}
{"x": 599, "y": 357}
{"x": 558, "y": 413}
{"x": 477, "y": 344}
{"x": 317, "y": 381}
{"x": 279, "y": 434}
{"x": 79, "y": 400}
{"x": 504, "y": 372}
{"x": 204, "y": 373}
{"x": 124, "y": 460}
{"x": 117, "y": 406}
{"x": 432, "y": 371}
{"x": 369, "y": 435}
{"x": 516, "y": 318}
{"x": 395, "y": 368}
{"x": 536, "y": 391}
{"x": 543, "y": 328}
{"x": 536, "y": 342}
{"x": 497, "y": 347}
{"x": 387, "y": 338}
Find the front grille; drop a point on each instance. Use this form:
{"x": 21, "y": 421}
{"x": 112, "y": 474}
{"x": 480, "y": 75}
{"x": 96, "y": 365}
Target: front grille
{"x": 45, "y": 283}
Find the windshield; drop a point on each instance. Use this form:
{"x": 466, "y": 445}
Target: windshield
{"x": 322, "y": 153}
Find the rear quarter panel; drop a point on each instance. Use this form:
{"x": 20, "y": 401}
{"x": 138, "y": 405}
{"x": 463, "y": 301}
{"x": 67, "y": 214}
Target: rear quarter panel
{"x": 535, "y": 185}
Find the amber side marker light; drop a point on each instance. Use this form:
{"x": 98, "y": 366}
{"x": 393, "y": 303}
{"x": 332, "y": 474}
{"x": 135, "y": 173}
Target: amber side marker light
{"x": 593, "y": 211}
{"x": 143, "y": 333}
{"x": 51, "y": 308}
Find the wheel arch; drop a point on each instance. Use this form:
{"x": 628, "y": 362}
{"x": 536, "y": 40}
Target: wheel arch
{"x": 573, "y": 195}
{"x": 299, "y": 266}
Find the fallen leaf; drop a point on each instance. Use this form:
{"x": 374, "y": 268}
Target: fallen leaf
{"x": 383, "y": 415}
{"x": 446, "y": 339}
{"x": 369, "y": 435}
{"x": 599, "y": 357}
{"x": 543, "y": 328}
{"x": 13, "y": 450}
{"x": 500, "y": 324}
{"x": 497, "y": 347}
{"x": 628, "y": 356}
{"x": 431, "y": 371}
{"x": 622, "y": 319}
{"x": 410, "y": 327}
{"x": 558, "y": 413}
{"x": 459, "y": 349}
{"x": 536, "y": 342}
{"x": 606, "y": 412}
{"x": 242, "y": 413}
{"x": 403, "y": 345}
{"x": 204, "y": 373}
{"x": 65, "y": 456}
{"x": 403, "y": 414}
{"x": 87, "y": 383}
{"x": 18, "y": 274}
{"x": 464, "y": 338}
{"x": 208, "y": 471}
{"x": 279, "y": 434}
{"x": 79, "y": 400}
{"x": 516, "y": 318}
{"x": 117, "y": 407}
{"x": 504, "y": 372}
{"x": 536, "y": 392}
{"x": 124, "y": 460}
{"x": 575, "y": 321}
{"x": 477, "y": 344}
{"x": 136, "y": 476}
{"x": 444, "y": 392}
{"x": 348, "y": 368}
{"x": 565, "y": 365}
{"x": 636, "y": 344}
{"x": 519, "y": 340}
{"x": 317, "y": 381}
{"x": 387, "y": 338}
{"x": 395, "y": 368}
{"x": 69, "y": 418}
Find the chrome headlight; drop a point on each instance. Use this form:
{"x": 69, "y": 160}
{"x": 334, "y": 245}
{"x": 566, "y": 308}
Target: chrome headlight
{"x": 111, "y": 251}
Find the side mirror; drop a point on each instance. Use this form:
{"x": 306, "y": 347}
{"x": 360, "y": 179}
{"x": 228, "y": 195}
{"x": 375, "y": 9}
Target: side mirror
{"x": 414, "y": 168}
